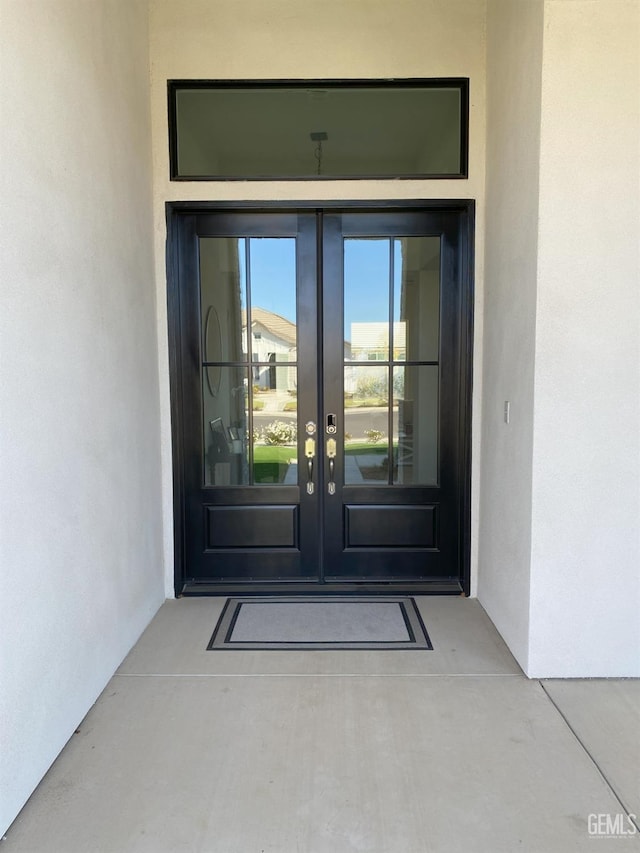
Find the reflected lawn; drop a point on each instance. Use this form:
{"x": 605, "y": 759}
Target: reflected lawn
{"x": 354, "y": 448}
{"x": 271, "y": 461}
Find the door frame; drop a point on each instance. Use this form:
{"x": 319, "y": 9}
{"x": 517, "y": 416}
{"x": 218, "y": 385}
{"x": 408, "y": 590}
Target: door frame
{"x": 180, "y": 265}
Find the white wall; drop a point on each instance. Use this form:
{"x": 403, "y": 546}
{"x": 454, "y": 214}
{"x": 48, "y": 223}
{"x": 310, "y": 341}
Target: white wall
{"x": 585, "y": 567}
{"x": 81, "y": 551}
{"x": 514, "y": 63}
{"x": 560, "y": 503}
{"x": 307, "y": 39}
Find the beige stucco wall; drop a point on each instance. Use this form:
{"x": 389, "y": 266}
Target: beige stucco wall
{"x": 302, "y": 39}
{"x": 585, "y": 561}
{"x": 560, "y": 500}
{"x": 80, "y": 538}
{"x": 514, "y": 72}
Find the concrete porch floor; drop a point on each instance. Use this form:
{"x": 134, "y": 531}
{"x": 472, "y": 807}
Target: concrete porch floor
{"x": 306, "y": 752}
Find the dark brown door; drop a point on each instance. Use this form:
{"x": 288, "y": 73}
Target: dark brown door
{"x": 320, "y": 399}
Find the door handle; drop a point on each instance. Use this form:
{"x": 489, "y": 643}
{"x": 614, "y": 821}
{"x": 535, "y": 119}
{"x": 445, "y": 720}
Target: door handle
{"x": 310, "y": 452}
{"x": 331, "y": 455}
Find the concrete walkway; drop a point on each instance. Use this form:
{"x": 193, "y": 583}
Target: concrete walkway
{"x": 328, "y": 752}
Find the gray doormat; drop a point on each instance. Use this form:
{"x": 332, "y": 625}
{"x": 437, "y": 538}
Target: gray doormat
{"x": 320, "y": 622}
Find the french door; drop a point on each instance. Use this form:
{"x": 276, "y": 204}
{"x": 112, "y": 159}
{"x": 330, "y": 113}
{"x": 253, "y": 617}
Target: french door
{"x": 320, "y": 398}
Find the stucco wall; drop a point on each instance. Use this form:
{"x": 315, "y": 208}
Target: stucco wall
{"x": 585, "y": 568}
{"x": 305, "y": 39}
{"x": 81, "y": 551}
{"x": 514, "y": 69}
{"x": 560, "y": 501}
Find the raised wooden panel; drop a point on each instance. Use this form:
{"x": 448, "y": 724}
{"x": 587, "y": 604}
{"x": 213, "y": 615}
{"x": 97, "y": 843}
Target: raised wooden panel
{"x": 251, "y": 527}
{"x": 390, "y": 526}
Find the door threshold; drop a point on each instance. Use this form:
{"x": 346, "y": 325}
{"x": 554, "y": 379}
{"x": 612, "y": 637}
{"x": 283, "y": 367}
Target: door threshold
{"x": 437, "y": 587}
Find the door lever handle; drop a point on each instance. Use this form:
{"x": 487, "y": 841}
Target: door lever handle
{"x": 309, "y": 476}
{"x": 331, "y": 455}
{"x": 310, "y": 452}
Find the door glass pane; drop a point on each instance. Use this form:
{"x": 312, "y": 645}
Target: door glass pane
{"x": 415, "y": 424}
{"x": 416, "y": 298}
{"x": 223, "y": 290}
{"x": 249, "y": 414}
{"x": 272, "y": 277}
{"x": 366, "y": 423}
{"x": 275, "y": 434}
{"x": 366, "y": 299}
{"x": 225, "y": 425}
{"x": 225, "y": 397}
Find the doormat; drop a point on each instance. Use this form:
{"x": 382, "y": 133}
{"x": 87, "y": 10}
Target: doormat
{"x": 320, "y": 622}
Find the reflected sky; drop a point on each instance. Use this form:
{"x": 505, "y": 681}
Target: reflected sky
{"x": 273, "y": 272}
{"x": 366, "y": 282}
{"x": 273, "y": 275}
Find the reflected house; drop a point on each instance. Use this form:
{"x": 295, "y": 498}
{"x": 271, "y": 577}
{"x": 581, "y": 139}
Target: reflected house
{"x": 274, "y": 340}
{"x": 370, "y": 342}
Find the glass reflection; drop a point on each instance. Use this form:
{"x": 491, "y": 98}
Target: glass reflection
{"x": 272, "y": 270}
{"x": 242, "y": 131}
{"x": 366, "y": 298}
{"x": 275, "y": 435}
{"x": 416, "y": 298}
{"x": 366, "y": 420}
{"x": 223, "y": 289}
{"x": 225, "y": 427}
{"x": 415, "y": 424}
{"x": 226, "y": 430}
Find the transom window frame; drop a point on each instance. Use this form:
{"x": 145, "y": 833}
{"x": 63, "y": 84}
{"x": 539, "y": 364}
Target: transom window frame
{"x": 460, "y": 83}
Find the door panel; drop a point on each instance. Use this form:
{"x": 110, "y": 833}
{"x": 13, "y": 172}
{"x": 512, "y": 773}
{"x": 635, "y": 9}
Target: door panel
{"x": 254, "y": 367}
{"x": 390, "y": 526}
{"x": 394, "y": 513}
{"x": 251, "y": 527}
{"x": 320, "y": 430}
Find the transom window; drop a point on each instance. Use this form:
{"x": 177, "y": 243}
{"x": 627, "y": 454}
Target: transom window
{"x": 318, "y": 129}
